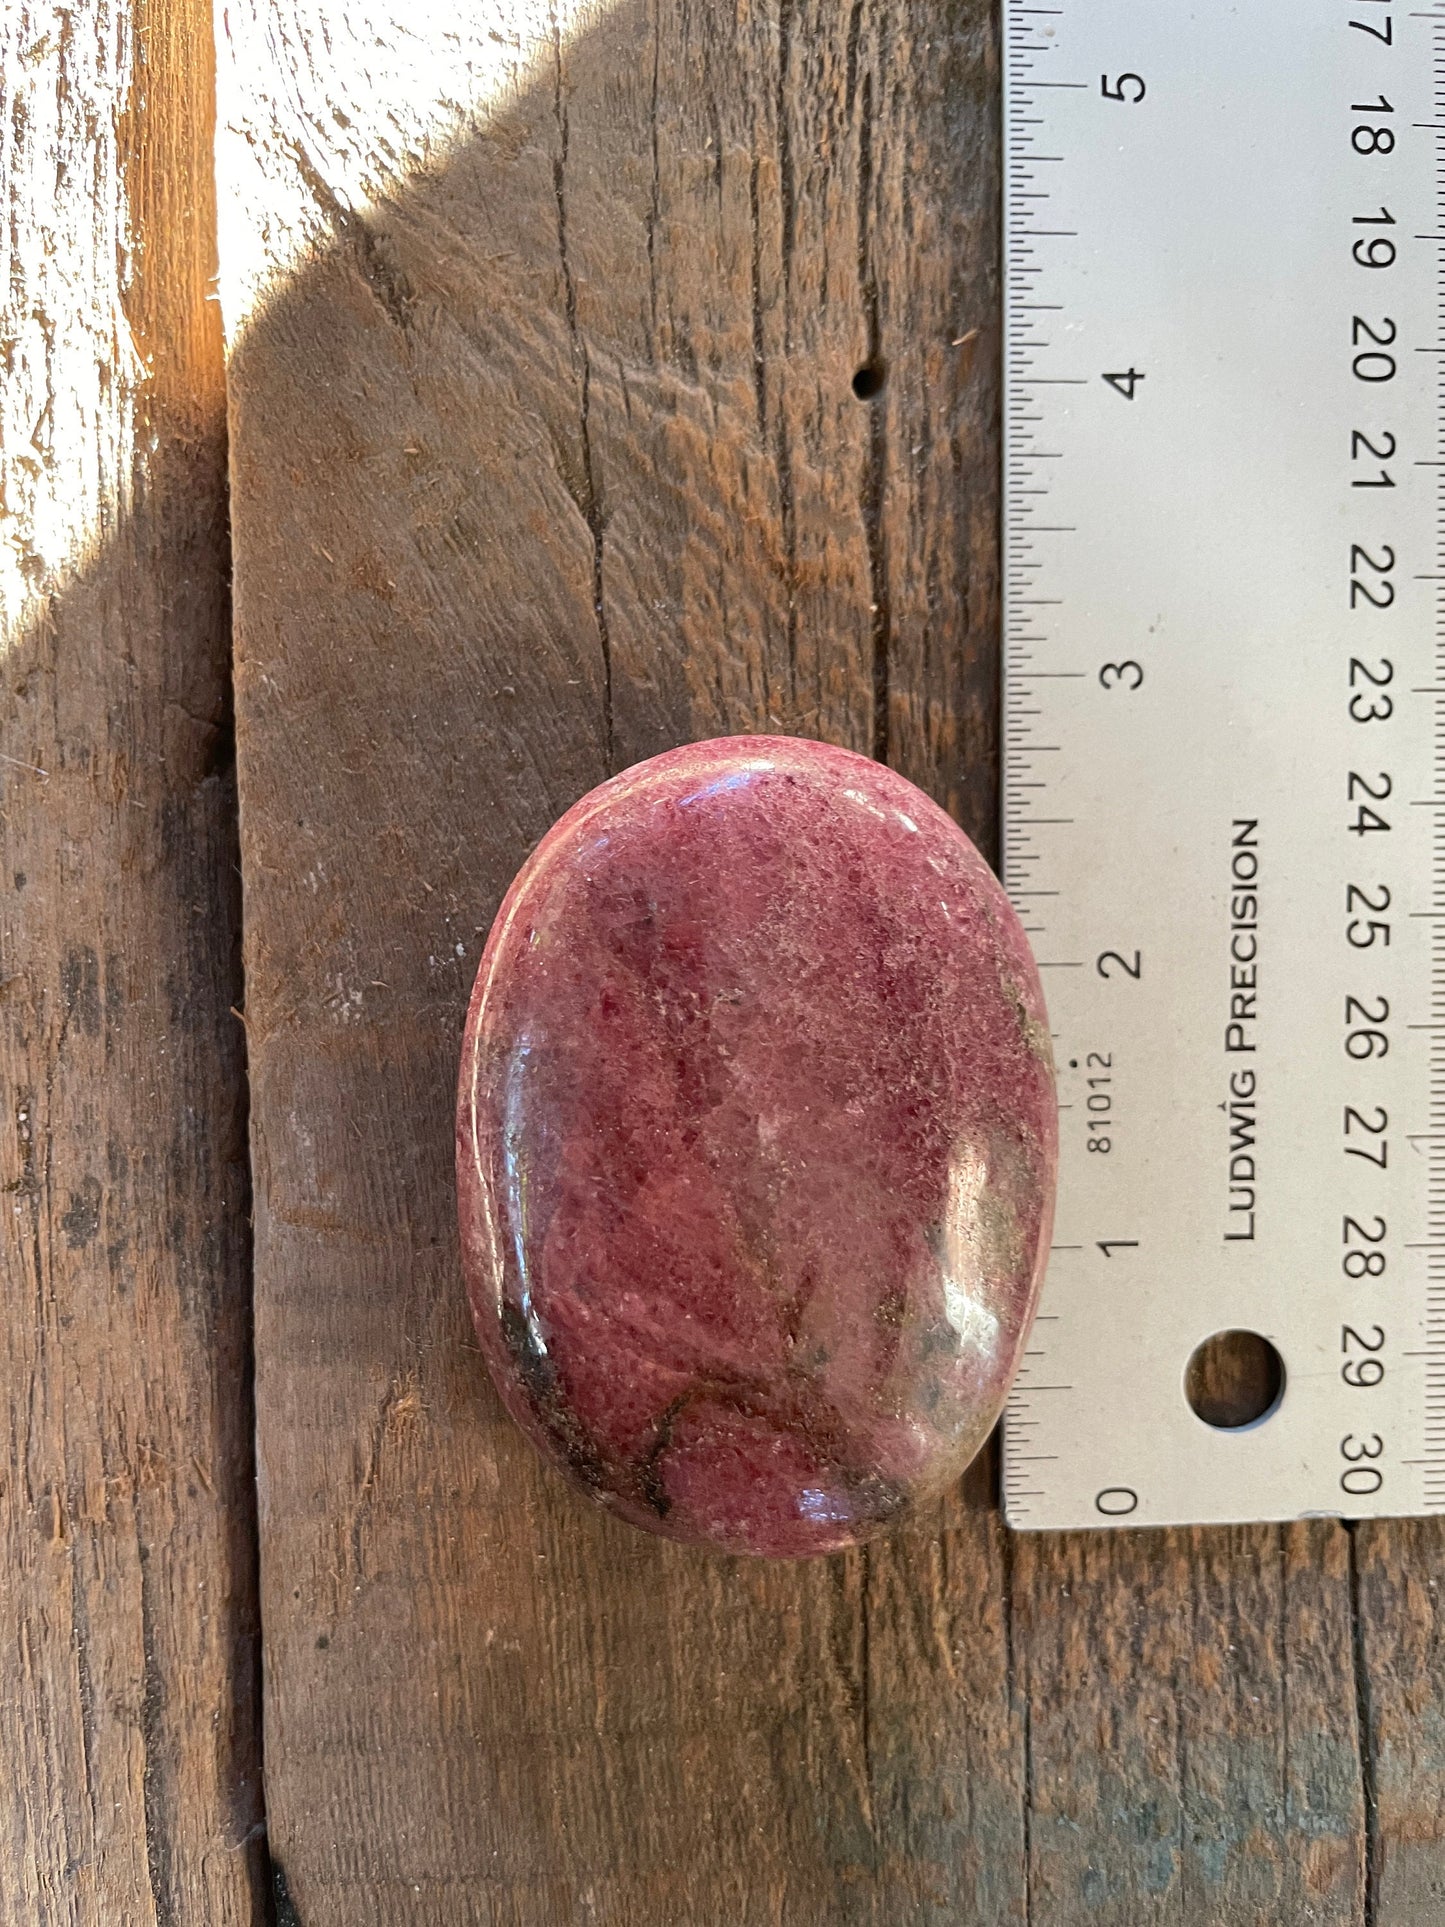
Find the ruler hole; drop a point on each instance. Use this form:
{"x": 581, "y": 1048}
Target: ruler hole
{"x": 1234, "y": 1379}
{"x": 869, "y": 380}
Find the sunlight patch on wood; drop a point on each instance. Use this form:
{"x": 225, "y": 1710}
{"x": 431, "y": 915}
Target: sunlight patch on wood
{"x": 68, "y": 359}
{"x": 323, "y": 114}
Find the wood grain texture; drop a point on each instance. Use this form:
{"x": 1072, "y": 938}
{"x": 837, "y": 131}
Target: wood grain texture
{"x": 547, "y": 456}
{"x": 1193, "y": 1745}
{"x": 129, "y": 1720}
{"x": 1400, "y": 1570}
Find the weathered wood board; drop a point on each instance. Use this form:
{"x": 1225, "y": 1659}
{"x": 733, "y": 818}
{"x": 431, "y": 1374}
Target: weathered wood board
{"x": 129, "y": 1691}
{"x": 545, "y": 323}
{"x": 549, "y": 461}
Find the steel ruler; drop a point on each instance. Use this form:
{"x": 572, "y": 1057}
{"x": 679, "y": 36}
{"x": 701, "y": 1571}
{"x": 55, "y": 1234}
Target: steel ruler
{"x": 1224, "y": 728}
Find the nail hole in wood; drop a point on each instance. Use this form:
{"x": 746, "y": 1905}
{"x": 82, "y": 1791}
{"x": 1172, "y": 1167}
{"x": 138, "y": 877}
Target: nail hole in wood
{"x": 869, "y": 380}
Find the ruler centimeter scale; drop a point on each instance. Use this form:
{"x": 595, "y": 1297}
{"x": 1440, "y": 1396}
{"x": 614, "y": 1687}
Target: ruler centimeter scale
{"x": 1224, "y": 741}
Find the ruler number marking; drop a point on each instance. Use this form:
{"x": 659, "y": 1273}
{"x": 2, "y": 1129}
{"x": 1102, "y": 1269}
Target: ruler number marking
{"x": 1363, "y": 1373}
{"x": 1367, "y": 1039}
{"x": 1367, "y": 1479}
{"x": 1375, "y": 33}
{"x": 1375, "y": 251}
{"x": 1356, "y": 1120}
{"x": 1357, "y": 897}
{"x": 1354, "y": 1231}
{"x": 1117, "y": 1501}
{"x": 1112, "y": 956}
{"x": 1374, "y": 364}
{"x": 1116, "y": 675}
{"x": 1359, "y": 440}
{"x": 1367, "y": 819}
{"x": 1131, "y": 82}
{"x": 1125, "y": 382}
{"x": 1381, "y": 596}
{"x": 1380, "y": 708}
{"x": 1366, "y": 138}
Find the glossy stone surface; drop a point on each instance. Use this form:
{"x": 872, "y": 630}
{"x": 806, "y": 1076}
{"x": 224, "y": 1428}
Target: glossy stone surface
{"x": 756, "y": 1146}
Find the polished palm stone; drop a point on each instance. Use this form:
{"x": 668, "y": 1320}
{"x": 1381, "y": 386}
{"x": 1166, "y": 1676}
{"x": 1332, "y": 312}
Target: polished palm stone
{"x": 756, "y": 1146}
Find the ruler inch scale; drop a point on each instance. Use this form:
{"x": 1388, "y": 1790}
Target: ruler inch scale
{"x": 1224, "y": 742}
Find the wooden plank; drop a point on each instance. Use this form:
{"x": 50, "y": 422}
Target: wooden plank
{"x": 546, "y": 455}
{"x": 1193, "y": 1744}
{"x": 129, "y": 1715}
{"x": 1399, "y": 1573}
{"x": 603, "y": 351}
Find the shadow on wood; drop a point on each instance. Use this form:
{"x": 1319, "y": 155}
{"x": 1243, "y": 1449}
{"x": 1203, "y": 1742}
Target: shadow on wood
{"x": 129, "y": 1693}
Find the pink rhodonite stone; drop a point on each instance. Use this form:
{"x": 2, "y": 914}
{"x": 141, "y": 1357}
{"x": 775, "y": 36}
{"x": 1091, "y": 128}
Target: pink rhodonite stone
{"x": 756, "y": 1143}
